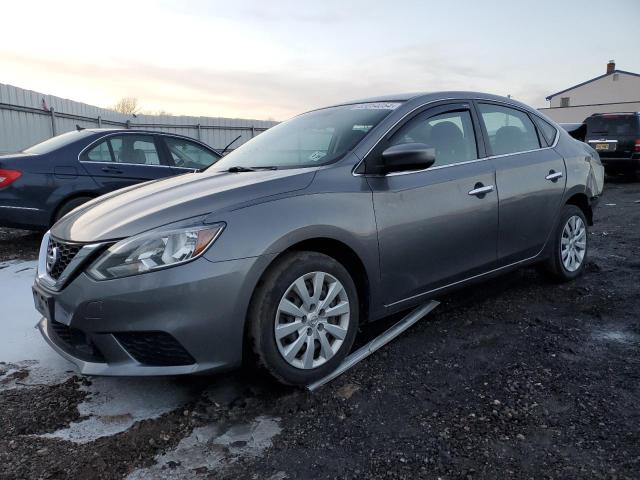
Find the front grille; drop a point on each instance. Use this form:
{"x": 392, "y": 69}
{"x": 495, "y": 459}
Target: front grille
{"x": 157, "y": 349}
{"x": 76, "y": 342}
{"x": 65, "y": 253}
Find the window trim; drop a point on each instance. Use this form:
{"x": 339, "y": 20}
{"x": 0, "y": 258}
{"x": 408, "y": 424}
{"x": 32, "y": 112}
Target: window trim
{"x": 156, "y": 138}
{"x": 443, "y": 101}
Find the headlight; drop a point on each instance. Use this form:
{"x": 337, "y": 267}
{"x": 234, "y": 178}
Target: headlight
{"x": 154, "y": 250}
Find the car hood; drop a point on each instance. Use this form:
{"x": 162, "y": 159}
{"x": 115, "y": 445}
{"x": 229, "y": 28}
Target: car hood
{"x": 150, "y": 205}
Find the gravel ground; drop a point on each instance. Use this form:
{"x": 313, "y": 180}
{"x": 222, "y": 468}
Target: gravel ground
{"x": 517, "y": 378}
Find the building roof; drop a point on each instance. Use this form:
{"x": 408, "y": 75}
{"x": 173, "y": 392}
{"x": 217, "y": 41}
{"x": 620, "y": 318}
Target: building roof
{"x": 592, "y": 80}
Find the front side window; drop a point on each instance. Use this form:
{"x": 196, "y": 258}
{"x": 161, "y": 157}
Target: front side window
{"x": 135, "y": 149}
{"x": 99, "y": 153}
{"x": 451, "y": 134}
{"x": 509, "y": 130}
{"x": 188, "y": 154}
{"x": 311, "y": 139}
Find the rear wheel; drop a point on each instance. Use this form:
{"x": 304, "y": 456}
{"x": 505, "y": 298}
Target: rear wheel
{"x": 303, "y": 317}
{"x": 69, "y": 206}
{"x": 570, "y": 242}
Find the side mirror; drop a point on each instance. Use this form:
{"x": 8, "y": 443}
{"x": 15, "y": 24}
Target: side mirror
{"x": 408, "y": 156}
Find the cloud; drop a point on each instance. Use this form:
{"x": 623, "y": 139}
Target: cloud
{"x": 300, "y": 86}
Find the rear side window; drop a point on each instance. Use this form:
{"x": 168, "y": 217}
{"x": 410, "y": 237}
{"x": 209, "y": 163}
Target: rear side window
{"x": 547, "y": 130}
{"x": 509, "y": 130}
{"x": 188, "y": 154}
{"x": 451, "y": 134}
{"x": 99, "y": 153}
{"x": 135, "y": 149}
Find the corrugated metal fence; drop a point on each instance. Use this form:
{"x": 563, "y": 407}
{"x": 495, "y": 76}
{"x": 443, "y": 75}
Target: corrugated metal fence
{"x": 28, "y": 117}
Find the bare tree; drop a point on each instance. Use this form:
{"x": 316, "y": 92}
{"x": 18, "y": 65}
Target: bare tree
{"x": 127, "y": 105}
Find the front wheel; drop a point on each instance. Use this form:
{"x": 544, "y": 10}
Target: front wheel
{"x": 303, "y": 317}
{"x": 570, "y": 243}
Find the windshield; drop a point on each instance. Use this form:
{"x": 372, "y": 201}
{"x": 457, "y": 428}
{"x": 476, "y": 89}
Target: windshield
{"x": 310, "y": 139}
{"x": 56, "y": 142}
{"x": 612, "y": 124}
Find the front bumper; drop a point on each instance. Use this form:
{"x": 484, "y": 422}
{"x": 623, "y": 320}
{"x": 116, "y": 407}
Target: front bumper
{"x": 181, "y": 320}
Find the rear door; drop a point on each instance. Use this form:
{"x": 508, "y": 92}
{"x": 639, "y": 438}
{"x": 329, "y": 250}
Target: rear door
{"x": 530, "y": 179}
{"x": 436, "y": 226}
{"x": 125, "y": 159}
{"x": 187, "y": 156}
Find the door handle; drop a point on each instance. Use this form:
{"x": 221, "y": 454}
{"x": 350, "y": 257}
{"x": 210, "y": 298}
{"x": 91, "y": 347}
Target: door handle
{"x": 553, "y": 176}
{"x": 111, "y": 170}
{"x": 480, "y": 190}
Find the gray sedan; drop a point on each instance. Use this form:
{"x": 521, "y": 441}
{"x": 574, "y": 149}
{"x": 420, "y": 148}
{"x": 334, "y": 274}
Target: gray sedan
{"x": 337, "y": 217}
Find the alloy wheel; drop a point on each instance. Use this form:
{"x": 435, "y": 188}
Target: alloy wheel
{"x": 312, "y": 320}
{"x": 573, "y": 243}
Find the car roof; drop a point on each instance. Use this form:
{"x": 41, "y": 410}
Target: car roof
{"x": 435, "y": 96}
{"x": 147, "y": 132}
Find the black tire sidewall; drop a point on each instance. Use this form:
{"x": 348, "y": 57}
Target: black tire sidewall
{"x": 70, "y": 205}
{"x": 265, "y": 304}
{"x": 567, "y": 212}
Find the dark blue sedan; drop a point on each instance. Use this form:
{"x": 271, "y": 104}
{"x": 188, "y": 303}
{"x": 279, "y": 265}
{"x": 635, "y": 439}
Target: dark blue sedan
{"x": 43, "y": 183}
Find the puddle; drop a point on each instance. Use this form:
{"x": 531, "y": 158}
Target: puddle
{"x": 210, "y": 448}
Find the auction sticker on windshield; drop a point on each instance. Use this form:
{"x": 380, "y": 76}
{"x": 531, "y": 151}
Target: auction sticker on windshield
{"x": 376, "y": 106}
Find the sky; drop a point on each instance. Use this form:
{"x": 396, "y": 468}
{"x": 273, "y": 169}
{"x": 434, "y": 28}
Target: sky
{"x": 272, "y": 60}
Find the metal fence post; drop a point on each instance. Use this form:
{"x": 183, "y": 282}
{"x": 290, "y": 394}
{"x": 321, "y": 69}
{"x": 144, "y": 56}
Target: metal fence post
{"x": 199, "y": 134}
{"x": 99, "y": 121}
{"x": 53, "y": 121}
{"x": 253, "y": 131}
{"x": 128, "y": 124}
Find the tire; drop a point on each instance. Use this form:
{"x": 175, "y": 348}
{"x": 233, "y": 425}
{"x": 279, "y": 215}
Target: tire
{"x": 269, "y": 310}
{"x": 68, "y": 206}
{"x": 563, "y": 238}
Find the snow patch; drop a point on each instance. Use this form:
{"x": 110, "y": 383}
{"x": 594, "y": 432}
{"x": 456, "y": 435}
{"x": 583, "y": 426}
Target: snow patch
{"x": 22, "y": 347}
{"x": 115, "y": 404}
{"x": 210, "y": 448}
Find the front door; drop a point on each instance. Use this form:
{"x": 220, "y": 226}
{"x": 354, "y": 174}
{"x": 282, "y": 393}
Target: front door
{"x": 436, "y": 226}
{"x": 530, "y": 178}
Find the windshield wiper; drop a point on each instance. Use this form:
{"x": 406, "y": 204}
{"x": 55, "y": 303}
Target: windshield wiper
{"x": 239, "y": 169}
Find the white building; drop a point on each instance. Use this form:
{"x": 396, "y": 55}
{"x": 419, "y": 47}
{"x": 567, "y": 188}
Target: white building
{"x": 615, "y": 91}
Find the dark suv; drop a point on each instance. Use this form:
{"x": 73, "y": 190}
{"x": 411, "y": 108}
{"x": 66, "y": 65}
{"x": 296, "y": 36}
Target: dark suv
{"x": 43, "y": 183}
{"x": 616, "y": 137}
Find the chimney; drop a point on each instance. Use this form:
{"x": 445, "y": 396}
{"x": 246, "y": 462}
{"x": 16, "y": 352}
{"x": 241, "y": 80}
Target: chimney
{"x": 611, "y": 66}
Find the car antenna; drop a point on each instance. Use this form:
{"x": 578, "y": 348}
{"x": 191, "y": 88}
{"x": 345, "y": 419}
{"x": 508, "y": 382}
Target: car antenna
{"x": 229, "y": 144}
{"x": 79, "y": 128}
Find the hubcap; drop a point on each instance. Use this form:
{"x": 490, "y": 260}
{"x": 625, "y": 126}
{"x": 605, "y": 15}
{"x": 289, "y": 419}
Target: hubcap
{"x": 312, "y": 320}
{"x": 573, "y": 244}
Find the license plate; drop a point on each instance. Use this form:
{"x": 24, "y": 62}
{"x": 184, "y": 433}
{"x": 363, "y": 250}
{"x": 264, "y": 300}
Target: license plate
{"x": 43, "y": 303}
{"x": 602, "y": 146}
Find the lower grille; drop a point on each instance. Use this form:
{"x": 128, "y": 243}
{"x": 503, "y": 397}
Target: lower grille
{"x": 76, "y": 342}
{"x": 158, "y": 349}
